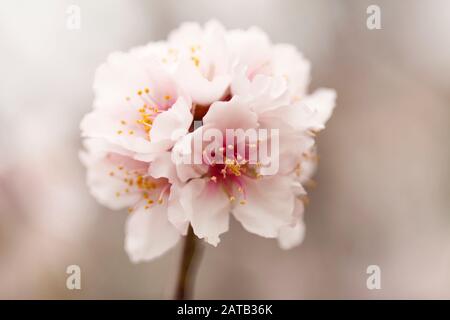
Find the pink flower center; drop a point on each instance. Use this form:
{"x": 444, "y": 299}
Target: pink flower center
{"x": 229, "y": 174}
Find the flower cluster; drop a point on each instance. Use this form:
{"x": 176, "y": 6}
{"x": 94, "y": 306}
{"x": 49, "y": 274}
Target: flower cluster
{"x": 155, "y": 101}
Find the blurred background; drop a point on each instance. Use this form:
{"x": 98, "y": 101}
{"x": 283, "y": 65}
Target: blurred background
{"x": 383, "y": 181}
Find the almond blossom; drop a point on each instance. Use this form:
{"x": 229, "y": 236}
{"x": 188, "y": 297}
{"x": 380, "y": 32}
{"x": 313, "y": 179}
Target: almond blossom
{"x": 119, "y": 182}
{"x": 264, "y": 203}
{"x": 148, "y": 103}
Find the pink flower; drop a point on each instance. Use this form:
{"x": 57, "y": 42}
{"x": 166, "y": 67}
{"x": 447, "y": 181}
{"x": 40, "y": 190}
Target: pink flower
{"x": 265, "y": 203}
{"x": 142, "y": 125}
{"x": 119, "y": 182}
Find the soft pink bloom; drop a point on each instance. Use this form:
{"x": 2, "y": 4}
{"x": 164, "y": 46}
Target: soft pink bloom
{"x": 137, "y": 105}
{"x": 119, "y": 182}
{"x": 145, "y": 104}
{"x": 264, "y": 203}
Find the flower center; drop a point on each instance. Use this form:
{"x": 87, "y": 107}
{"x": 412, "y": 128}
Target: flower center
{"x": 148, "y": 108}
{"x": 231, "y": 172}
{"x": 135, "y": 180}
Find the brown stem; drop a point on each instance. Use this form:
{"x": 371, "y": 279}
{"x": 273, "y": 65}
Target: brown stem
{"x": 189, "y": 262}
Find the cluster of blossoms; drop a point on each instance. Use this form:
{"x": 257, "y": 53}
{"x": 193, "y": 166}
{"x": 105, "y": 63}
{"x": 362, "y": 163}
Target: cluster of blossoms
{"x": 146, "y": 104}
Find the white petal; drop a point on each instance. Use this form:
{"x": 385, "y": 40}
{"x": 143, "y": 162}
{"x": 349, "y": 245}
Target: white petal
{"x": 176, "y": 212}
{"x": 232, "y": 114}
{"x": 208, "y": 209}
{"x": 122, "y": 86}
{"x": 300, "y": 116}
{"x": 124, "y": 74}
{"x": 263, "y": 93}
{"x": 105, "y": 178}
{"x": 97, "y": 145}
{"x": 173, "y": 123}
{"x": 269, "y": 205}
{"x": 240, "y": 83}
{"x": 289, "y": 63}
{"x": 308, "y": 166}
{"x": 120, "y": 77}
{"x": 291, "y": 146}
{"x": 149, "y": 233}
{"x": 104, "y": 124}
{"x": 162, "y": 166}
{"x": 322, "y": 101}
{"x": 187, "y": 159}
{"x": 202, "y": 90}
{"x": 251, "y": 48}
{"x": 293, "y": 235}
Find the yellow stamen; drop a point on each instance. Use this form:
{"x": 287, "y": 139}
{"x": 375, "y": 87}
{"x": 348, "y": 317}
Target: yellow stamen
{"x": 233, "y": 166}
{"x": 196, "y": 61}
